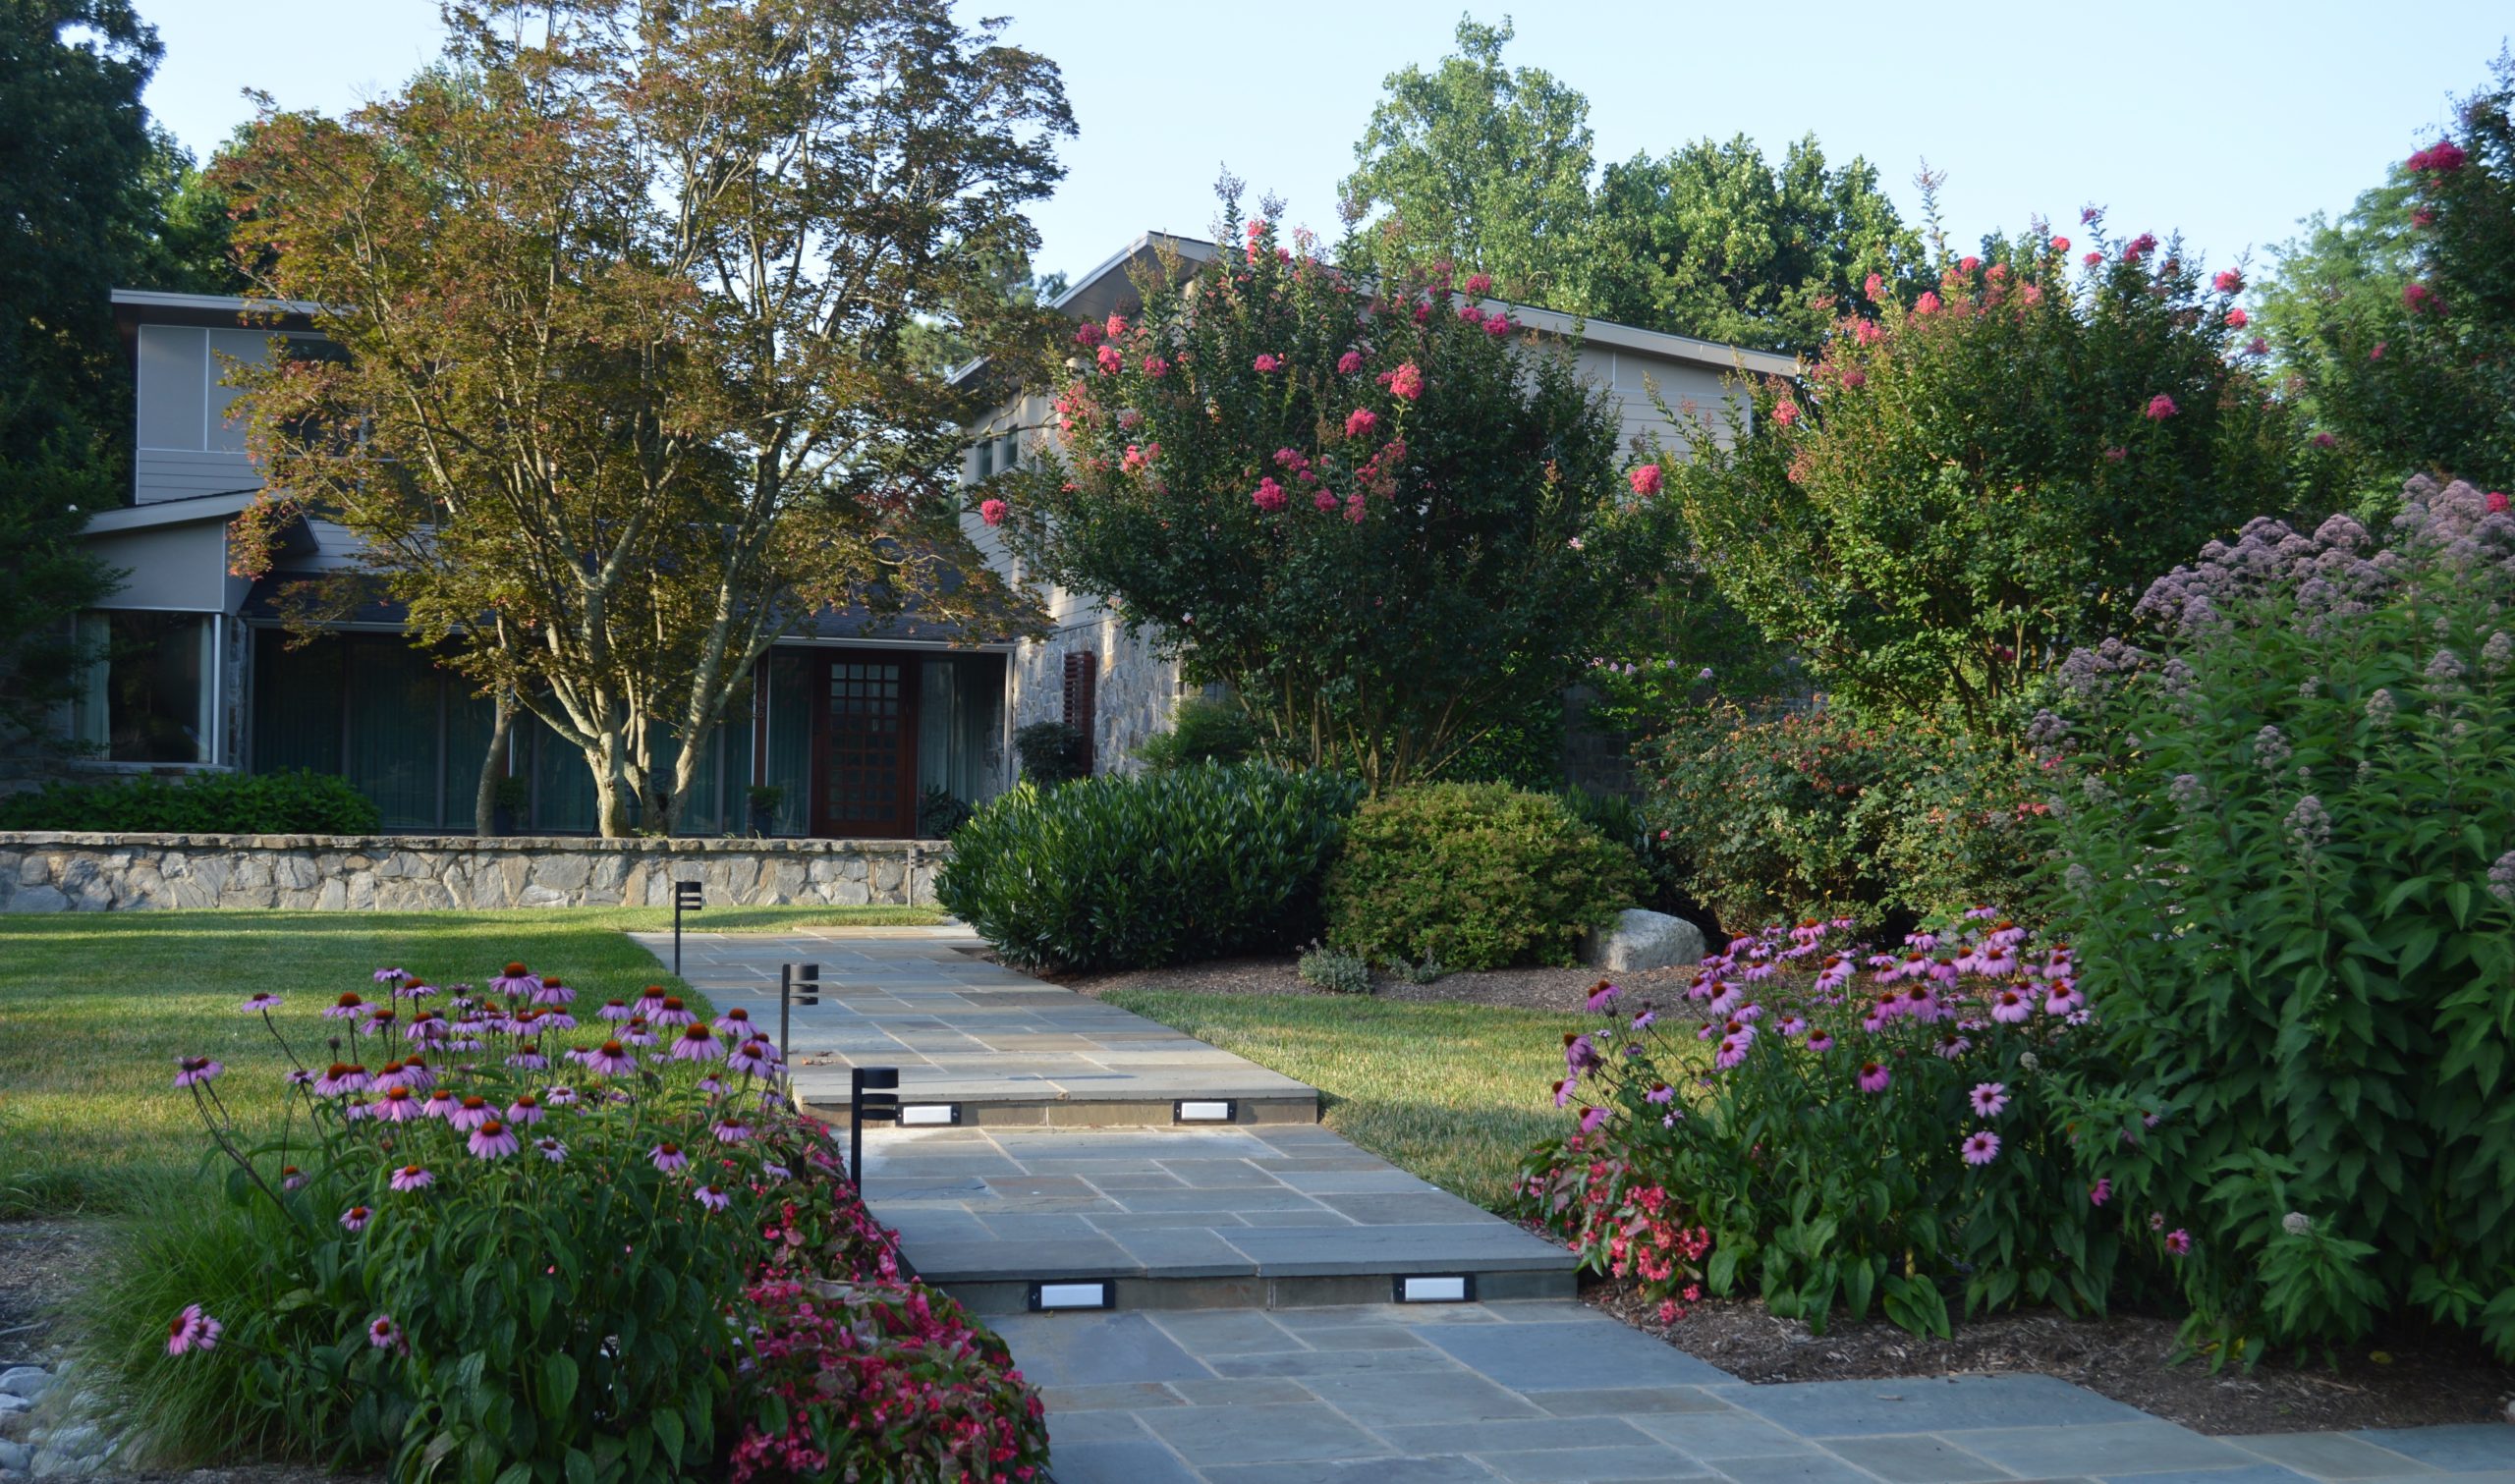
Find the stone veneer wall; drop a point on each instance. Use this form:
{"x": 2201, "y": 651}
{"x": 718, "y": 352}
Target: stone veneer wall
{"x": 44, "y": 872}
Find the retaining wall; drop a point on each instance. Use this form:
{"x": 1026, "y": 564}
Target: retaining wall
{"x": 50, "y": 873}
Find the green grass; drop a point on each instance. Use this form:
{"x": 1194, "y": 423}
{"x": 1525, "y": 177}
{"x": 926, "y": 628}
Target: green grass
{"x": 1456, "y": 1093}
{"x": 95, "y": 1007}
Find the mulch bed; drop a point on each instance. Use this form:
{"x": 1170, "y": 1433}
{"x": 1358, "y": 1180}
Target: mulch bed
{"x": 2129, "y": 1357}
{"x": 1554, "y": 989}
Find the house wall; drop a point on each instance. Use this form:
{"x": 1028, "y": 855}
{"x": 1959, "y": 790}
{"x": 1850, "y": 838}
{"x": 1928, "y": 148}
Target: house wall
{"x": 52, "y": 872}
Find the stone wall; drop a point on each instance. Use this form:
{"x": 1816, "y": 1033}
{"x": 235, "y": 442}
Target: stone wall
{"x": 51, "y": 872}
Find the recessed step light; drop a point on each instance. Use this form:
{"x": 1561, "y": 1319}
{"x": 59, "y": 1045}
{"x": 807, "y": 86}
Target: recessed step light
{"x": 1209, "y": 1111}
{"x": 1048, "y": 1297}
{"x": 1444, "y": 1288}
{"x": 929, "y": 1115}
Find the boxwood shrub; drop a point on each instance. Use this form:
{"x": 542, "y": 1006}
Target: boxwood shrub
{"x": 1111, "y": 872}
{"x": 1476, "y": 876}
{"x": 298, "y": 802}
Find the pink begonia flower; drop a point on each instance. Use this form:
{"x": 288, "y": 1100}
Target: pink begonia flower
{"x": 1349, "y": 362}
{"x": 1109, "y": 359}
{"x": 1155, "y": 367}
{"x": 2060, "y": 245}
{"x": 1645, "y": 480}
{"x": 2237, "y": 319}
{"x": 1407, "y": 382}
{"x": 1927, "y": 304}
{"x": 1477, "y": 283}
{"x": 1785, "y": 412}
{"x": 992, "y": 512}
{"x": 1268, "y": 364}
{"x": 1269, "y": 495}
{"x": 2162, "y": 407}
{"x": 1360, "y": 422}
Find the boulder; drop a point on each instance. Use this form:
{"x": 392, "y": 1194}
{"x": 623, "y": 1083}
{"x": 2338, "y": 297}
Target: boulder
{"x": 1640, "y": 940}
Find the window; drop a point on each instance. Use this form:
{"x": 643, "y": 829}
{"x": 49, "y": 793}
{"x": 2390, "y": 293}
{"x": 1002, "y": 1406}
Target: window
{"x": 183, "y": 407}
{"x": 149, "y": 698}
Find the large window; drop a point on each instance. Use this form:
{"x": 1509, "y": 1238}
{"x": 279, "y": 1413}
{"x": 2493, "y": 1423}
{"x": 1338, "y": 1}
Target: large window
{"x": 151, "y": 698}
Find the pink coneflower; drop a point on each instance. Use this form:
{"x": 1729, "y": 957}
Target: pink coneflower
{"x": 299, "y": 1077}
{"x": 2009, "y": 1006}
{"x": 1950, "y": 1046}
{"x": 397, "y": 1104}
{"x": 415, "y": 989}
{"x": 2178, "y": 1243}
{"x": 753, "y": 1057}
{"x": 440, "y": 1103}
{"x": 1791, "y": 1024}
{"x": 193, "y": 1329}
{"x": 668, "y": 1157}
{"x": 1603, "y": 995}
{"x": 342, "y": 1079}
{"x": 551, "y": 991}
{"x": 635, "y": 1032}
{"x": 527, "y": 1054}
{"x": 193, "y": 1072}
{"x": 732, "y": 1131}
{"x": 384, "y": 1334}
{"x": 1873, "y": 1077}
{"x": 551, "y": 1149}
{"x": 290, "y": 1177}
{"x": 2061, "y": 1000}
{"x": 1823, "y": 1040}
{"x": 614, "y": 1010}
{"x": 473, "y": 1111}
{"x": 714, "y": 1198}
{"x": 1989, "y": 1098}
{"x": 736, "y": 1023}
{"x": 345, "y": 1007}
{"x": 559, "y": 1095}
{"x": 413, "y": 1177}
{"x": 260, "y": 1002}
{"x": 494, "y": 1140}
{"x": 379, "y": 1019}
{"x": 1731, "y": 1051}
{"x": 555, "y": 1020}
{"x": 672, "y": 1013}
{"x": 2156, "y": 1221}
{"x": 697, "y": 1043}
{"x": 1983, "y": 1147}
{"x": 416, "y": 1073}
{"x": 354, "y": 1109}
{"x": 354, "y": 1218}
{"x": 515, "y": 981}
{"x": 427, "y": 1027}
{"x": 526, "y": 1109}
{"x": 389, "y": 976}
{"x": 2102, "y": 1191}
{"x": 611, "y": 1059}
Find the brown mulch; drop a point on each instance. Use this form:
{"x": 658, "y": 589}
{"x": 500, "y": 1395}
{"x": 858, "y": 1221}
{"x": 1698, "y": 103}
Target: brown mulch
{"x": 1556, "y": 989}
{"x": 2129, "y": 1357}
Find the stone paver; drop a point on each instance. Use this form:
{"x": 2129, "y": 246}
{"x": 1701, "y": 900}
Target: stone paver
{"x": 1008, "y": 1047}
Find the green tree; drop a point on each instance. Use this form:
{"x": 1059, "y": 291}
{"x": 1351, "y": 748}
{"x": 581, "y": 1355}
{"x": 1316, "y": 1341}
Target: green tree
{"x": 634, "y": 310}
{"x": 1480, "y": 165}
{"x": 2397, "y": 322}
{"x": 1382, "y": 518}
{"x": 1711, "y": 240}
{"x": 1965, "y": 486}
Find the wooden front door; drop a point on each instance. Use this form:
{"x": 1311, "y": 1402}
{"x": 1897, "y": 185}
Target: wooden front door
{"x": 865, "y": 746}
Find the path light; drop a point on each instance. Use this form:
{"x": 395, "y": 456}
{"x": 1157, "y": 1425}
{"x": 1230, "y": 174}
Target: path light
{"x": 930, "y": 1115}
{"x": 1048, "y": 1297}
{"x": 1439, "y": 1288}
{"x": 872, "y": 1092}
{"x": 797, "y": 984}
{"x": 685, "y": 899}
{"x": 1207, "y": 1111}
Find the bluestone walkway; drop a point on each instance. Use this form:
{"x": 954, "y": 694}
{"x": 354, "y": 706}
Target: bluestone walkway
{"x": 1235, "y": 1355}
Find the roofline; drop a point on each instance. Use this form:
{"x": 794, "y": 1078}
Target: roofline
{"x": 167, "y": 299}
{"x": 184, "y": 511}
{"x": 1194, "y": 248}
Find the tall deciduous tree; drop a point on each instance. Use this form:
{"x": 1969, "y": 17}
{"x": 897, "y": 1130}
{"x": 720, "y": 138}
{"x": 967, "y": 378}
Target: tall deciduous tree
{"x": 1388, "y": 519}
{"x": 1485, "y": 165}
{"x": 633, "y": 299}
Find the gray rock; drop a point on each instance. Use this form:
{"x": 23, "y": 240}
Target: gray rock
{"x": 11, "y": 1402}
{"x": 16, "y": 1455}
{"x": 30, "y": 1382}
{"x": 1642, "y": 939}
{"x": 38, "y": 898}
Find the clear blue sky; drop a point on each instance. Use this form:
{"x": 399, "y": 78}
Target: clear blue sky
{"x": 2226, "y": 121}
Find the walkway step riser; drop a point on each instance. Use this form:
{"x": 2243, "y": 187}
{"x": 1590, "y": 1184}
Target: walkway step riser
{"x": 1307, "y": 1293}
{"x": 1249, "y": 1113}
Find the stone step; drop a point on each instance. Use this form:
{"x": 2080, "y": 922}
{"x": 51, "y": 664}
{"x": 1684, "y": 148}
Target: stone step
{"x": 1262, "y": 1217}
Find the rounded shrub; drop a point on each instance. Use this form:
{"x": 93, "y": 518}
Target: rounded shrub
{"x": 1476, "y": 876}
{"x": 2288, "y": 862}
{"x": 297, "y": 801}
{"x": 1110, "y": 873}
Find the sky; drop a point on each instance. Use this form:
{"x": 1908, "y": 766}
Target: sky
{"x": 2228, "y": 122}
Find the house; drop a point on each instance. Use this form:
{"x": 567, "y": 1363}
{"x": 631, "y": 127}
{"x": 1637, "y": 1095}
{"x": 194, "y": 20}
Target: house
{"x": 856, "y": 724}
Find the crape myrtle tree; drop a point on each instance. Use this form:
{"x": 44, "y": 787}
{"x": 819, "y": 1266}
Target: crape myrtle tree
{"x": 1374, "y": 508}
{"x": 633, "y": 301}
{"x": 1966, "y": 484}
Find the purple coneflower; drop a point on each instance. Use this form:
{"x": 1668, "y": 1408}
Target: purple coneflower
{"x": 1601, "y": 995}
{"x": 526, "y": 1109}
{"x": 417, "y": 989}
{"x": 551, "y": 992}
{"x": 427, "y": 1027}
{"x": 736, "y": 1024}
{"x": 635, "y": 1032}
{"x": 416, "y": 1073}
{"x": 527, "y": 1054}
{"x": 651, "y": 1001}
{"x": 384, "y": 1334}
{"x": 732, "y": 1131}
{"x": 2178, "y": 1243}
{"x": 191, "y": 1072}
{"x": 354, "y": 1218}
{"x": 1646, "y": 1019}
{"x": 1661, "y": 1092}
{"x": 397, "y": 1104}
{"x": 1823, "y": 1040}
{"x": 614, "y": 1010}
{"x": 260, "y": 1002}
{"x": 2102, "y": 1191}
{"x": 672, "y": 1013}
{"x": 353, "y": 1109}
{"x": 697, "y": 1043}
{"x": 668, "y": 1157}
{"x": 775, "y": 1171}
{"x": 2009, "y": 1008}
{"x": 290, "y": 1177}
{"x": 2061, "y": 1001}
{"x": 1989, "y": 1098}
{"x": 390, "y": 977}
{"x": 551, "y": 1149}
{"x": 714, "y": 1198}
{"x": 300, "y": 1077}
{"x": 1951, "y": 1046}
{"x": 746, "y": 1058}
{"x": 611, "y": 1059}
{"x": 342, "y": 1079}
{"x": 193, "y": 1329}
{"x": 1873, "y": 1077}
{"x": 559, "y": 1095}
{"x": 471, "y": 1114}
{"x": 494, "y": 1140}
{"x": 517, "y": 980}
{"x": 710, "y": 1086}
{"x": 413, "y": 1177}
{"x": 378, "y": 1021}
{"x": 440, "y": 1103}
{"x": 1983, "y": 1147}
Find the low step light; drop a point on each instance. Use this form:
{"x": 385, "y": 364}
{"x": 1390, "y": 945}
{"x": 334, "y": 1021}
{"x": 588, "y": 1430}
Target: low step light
{"x": 929, "y": 1115}
{"x": 1048, "y": 1298}
{"x": 1445, "y": 1288}
{"x": 1210, "y": 1111}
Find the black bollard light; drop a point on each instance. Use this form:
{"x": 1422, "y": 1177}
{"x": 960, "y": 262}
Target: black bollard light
{"x": 873, "y": 1093}
{"x": 797, "y": 984}
{"x": 685, "y": 899}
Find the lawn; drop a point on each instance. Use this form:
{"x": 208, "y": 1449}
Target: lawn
{"x": 95, "y": 1007}
{"x": 1456, "y": 1093}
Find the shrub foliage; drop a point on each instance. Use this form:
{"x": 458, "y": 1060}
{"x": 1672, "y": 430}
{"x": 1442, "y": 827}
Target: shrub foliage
{"x": 293, "y": 803}
{"x": 1113, "y": 872}
{"x": 1474, "y": 876}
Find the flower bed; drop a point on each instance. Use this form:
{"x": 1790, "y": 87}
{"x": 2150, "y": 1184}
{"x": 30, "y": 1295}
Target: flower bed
{"x": 526, "y": 1246}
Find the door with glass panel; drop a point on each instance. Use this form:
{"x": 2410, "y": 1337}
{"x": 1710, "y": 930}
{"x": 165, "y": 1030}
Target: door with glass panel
{"x": 864, "y": 739}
